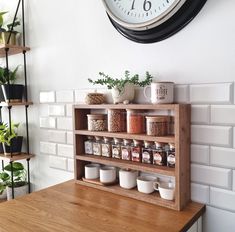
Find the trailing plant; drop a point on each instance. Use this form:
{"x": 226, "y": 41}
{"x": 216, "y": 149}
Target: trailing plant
{"x": 120, "y": 83}
{"x": 7, "y": 27}
{"x": 4, "y": 76}
{"x": 19, "y": 176}
{"x": 6, "y": 135}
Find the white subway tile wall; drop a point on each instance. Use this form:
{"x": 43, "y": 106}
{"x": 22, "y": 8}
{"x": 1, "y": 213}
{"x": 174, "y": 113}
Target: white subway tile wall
{"x": 212, "y": 137}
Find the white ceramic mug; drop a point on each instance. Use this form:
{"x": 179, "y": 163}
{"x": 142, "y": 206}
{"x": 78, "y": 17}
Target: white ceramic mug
{"x": 145, "y": 184}
{"x": 127, "y": 178}
{"x": 166, "y": 190}
{"x": 92, "y": 171}
{"x": 161, "y": 92}
{"x": 108, "y": 174}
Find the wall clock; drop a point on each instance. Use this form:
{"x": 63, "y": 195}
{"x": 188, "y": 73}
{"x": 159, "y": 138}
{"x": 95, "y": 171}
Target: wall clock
{"x": 148, "y": 21}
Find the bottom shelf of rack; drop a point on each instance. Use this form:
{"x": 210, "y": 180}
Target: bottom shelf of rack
{"x": 153, "y": 198}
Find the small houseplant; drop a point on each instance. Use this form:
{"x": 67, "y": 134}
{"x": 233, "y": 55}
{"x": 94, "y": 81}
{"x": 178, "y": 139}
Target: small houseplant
{"x": 5, "y": 29}
{"x": 11, "y": 142}
{"x": 12, "y": 92}
{"x": 123, "y": 88}
{"x": 20, "y": 183}
{"x": 4, "y": 179}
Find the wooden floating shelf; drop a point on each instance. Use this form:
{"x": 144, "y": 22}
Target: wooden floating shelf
{"x": 153, "y": 198}
{"x": 124, "y": 135}
{"x": 22, "y": 156}
{"x": 3, "y": 104}
{"x": 13, "y": 49}
{"x": 128, "y": 164}
{"x": 129, "y": 106}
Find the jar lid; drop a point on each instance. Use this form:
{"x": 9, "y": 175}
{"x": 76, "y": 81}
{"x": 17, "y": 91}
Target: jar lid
{"x": 157, "y": 118}
{"x": 98, "y": 138}
{"x": 95, "y": 94}
{"x": 159, "y": 145}
{"x": 126, "y": 141}
{"x": 90, "y": 137}
{"x": 96, "y": 116}
{"x": 137, "y": 142}
{"x": 172, "y": 145}
{"x": 163, "y": 82}
{"x": 107, "y": 139}
{"x": 148, "y": 143}
{"x": 117, "y": 140}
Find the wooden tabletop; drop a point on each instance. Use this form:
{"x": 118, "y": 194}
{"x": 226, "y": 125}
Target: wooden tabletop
{"x": 71, "y": 207}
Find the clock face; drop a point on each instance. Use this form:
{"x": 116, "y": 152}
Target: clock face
{"x": 141, "y": 14}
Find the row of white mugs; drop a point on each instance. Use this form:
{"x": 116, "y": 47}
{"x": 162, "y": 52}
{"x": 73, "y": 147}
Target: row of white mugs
{"x": 128, "y": 179}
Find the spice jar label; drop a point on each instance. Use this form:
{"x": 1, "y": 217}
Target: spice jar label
{"x": 125, "y": 154}
{"x": 116, "y": 153}
{"x": 146, "y": 158}
{"x": 171, "y": 159}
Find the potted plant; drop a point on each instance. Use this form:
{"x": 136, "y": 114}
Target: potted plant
{"x": 20, "y": 183}
{"x": 5, "y": 31}
{"x": 4, "y": 178}
{"x": 11, "y": 142}
{"x": 12, "y": 92}
{"x": 123, "y": 90}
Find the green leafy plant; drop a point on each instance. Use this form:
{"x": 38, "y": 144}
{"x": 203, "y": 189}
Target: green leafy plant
{"x": 19, "y": 176}
{"x": 4, "y": 76}
{"x": 120, "y": 83}
{"x": 6, "y": 135}
{"x": 7, "y": 27}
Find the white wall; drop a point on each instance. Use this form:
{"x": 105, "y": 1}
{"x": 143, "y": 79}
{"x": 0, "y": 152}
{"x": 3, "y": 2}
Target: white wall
{"x": 73, "y": 40}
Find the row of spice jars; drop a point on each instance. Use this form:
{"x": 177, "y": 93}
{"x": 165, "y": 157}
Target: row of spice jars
{"x": 160, "y": 154}
{"x": 132, "y": 121}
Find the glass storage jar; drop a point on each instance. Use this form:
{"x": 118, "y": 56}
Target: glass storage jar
{"x": 147, "y": 153}
{"x": 107, "y": 147}
{"x": 136, "y": 151}
{"x": 97, "y": 148}
{"x": 88, "y": 144}
{"x": 116, "y": 120}
{"x": 116, "y": 148}
{"x": 135, "y": 122}
{"x": 97, "y": 122}
{"x": 171, "y": 156}
{"x": 157, "y": 125}
{"x": 126, "y": 149}
{"x": 159, "y": 154}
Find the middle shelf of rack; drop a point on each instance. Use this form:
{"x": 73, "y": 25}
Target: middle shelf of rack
{"x": 124, "y": 135}
{"x": 126, "y": 164}
{"x": 21, "y": 156}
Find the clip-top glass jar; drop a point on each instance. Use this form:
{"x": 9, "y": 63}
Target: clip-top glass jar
{"x": 147, "y": 153}
{"x": 135, "y": 122}
{"x": 136, "y": 151}
{"x": 107, "y": 147}
{"x": 157, "y": 125}
{"x": 116, "y": 148}
{"x": 97, "y": 149}
{"x": 116, "y": 120}
{"x": 159, "y": 154}
{"x": 126, "y": 149}
{"x": 88, "y": 144}
{"x": 171, "y": 156}
{"x": 97, "y": 122}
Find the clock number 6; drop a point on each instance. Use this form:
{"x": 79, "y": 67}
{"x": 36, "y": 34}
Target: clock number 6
{"x": 147, "y": 5}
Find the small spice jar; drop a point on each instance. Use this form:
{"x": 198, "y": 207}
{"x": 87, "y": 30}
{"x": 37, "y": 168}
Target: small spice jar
{"x": 116, "y": 120}
{"x": 96, "y": 122}
{"x": 126, "y": 149}
{"x": 136, "y": 151}
{"x": 159, "y": 154}
{"x": 135, "y": 122}
{"x": 147, "y": 153}
{"x": 106, "y": 147}
{"x": 116, "y": 148}
{"x": 97, "y": 149}
{"x": 88, "y": 144}
{"x": 157, "y": 125}
{"x": 171, "y": 156}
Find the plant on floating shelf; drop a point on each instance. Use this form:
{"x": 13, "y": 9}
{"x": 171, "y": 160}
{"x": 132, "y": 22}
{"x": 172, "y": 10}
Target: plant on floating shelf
{"x": 4, "y": 76}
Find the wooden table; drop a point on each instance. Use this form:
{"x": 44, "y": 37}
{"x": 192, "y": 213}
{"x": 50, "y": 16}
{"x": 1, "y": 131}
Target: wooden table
{"x": 70, "y": 207}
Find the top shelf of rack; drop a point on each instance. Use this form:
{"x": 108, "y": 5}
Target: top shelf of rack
{"x": 129, "y": 106}
{"x": 13, "y": 49}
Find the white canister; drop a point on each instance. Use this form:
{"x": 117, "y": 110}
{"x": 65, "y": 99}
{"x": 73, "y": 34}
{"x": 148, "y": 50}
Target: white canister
{"x": 145, "y": 184}
{"x": 108, "y": 174}
{"x": 127, "y": 178}
{"x": 161, "y": 92}
{"x": 92, "y": 171}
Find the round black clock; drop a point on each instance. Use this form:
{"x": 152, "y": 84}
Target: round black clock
{"x": 148, "y": 21}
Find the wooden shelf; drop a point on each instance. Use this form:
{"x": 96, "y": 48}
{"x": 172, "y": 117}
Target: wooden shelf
{"x": 128, "y": 164}
{"x": 22, "y": 156}
{"x": 13, "y": 49}
{"x": 153, "y": 198}
{"x": 124, "y": 135}
{"x": 129, "y": 106}
{"x": 3, "y": 104}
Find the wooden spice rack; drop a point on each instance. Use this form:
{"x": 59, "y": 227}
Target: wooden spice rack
{"x": 181, "y": 139}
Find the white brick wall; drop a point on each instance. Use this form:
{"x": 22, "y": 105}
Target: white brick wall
{"x": 213, "y": 137}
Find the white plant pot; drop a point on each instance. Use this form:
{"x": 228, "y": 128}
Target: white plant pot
{"x": 18, "y": 191}
{"x": 125, "y": 96}
{"x": 3, "y": 195}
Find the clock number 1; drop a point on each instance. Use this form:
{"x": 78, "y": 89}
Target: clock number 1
{"x": 147, "y": 5}
{"x": 133, "y": 5}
